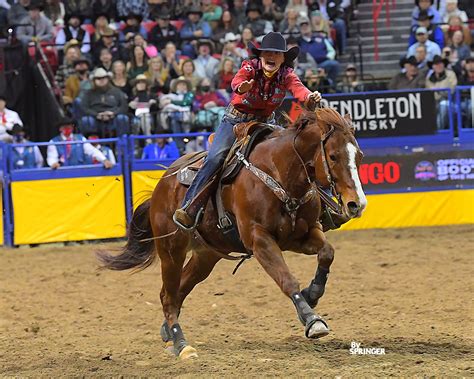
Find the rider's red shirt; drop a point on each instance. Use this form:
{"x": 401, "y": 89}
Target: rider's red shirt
{"x": 266, "y": 94}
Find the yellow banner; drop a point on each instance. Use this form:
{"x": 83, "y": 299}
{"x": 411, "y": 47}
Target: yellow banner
{"x": 143, "y": 184}
{"x": 68, "y": 209}
{"x": 403, "y": 210}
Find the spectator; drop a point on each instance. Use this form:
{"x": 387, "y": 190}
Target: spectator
{"x": 71, "y": 54}
{"x": 453, "y": 10}
{"x": 126, "y": 7}
{"x": 171, "y": 60}
{"x": 205, "y": 65}
{"x": 246, "y": 37}
{"x": 435, "y": 33}
{"x": 458, "y": 51}
{"x": 162, "y": 149}
{"x": 209, "y": 105}
{"x": 319, "y": 23}
{"x": 350, "y": 81}
{"x": 76, "y": 85}
{"x": 441, "y": 77}
{"x": 105, "y": 107}
{"x": 188, "y": 70}
{"x": 107, "y": 151}
{"x": 410, "y": 77}
{"x": 299, "y": 6}
{"x": 120, "y": 78}
{"x": 74, "y": 31}
{"x": 150, "y": 50}
{"x": 230, "y": 49}
{"x": 133, "y": 25}
{"x": 142, "y": 104}
{"x": 55, "y": 11}
{"x": 304, "y": 61}
{"x": 225, "y": 74}
{"x": 421, "y": 57}
{"x": 81, "y": 7}
{"x": 108, "y": 41}
{"x": 176, "y": 108}
{"x": 211, "y": 13}
{"x": 317, "y": 80}
{"x": 138, "y": 63}
{"x": 225, "y": 25}
{"x": 4, "y": 8}
{"x": 432, "y": 48}
{"x": 72, "y": 154}
{"x": 23, "y": 157}
{"x": 289, "y": 27}
{"x": 40, "y": 28}
{"x": 427, "y": 7}
{"x": 105, "y": 59}
{"x": 239, "y": 12}
{"x": 272, "y": 12}
{"x": 320, "y": 48}
{"x": 163, "y": 32}
{"x": 334, "y": 12}
{"x": 8, "y": 119}
{"x": 254, "y": 21}
{"x": 18, "y": 12}
{"x": 158, "y": 76}
{"x": 101, "y": 26}
{"x": 453, "y": 26}
{"x": 193, "y": 28}
{"x": 104, "y": 7}
{"x": 467, "y": 77}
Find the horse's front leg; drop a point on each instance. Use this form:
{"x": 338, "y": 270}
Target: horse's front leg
{"x": 317, "y": 243}
{"x": 269, "y": 255}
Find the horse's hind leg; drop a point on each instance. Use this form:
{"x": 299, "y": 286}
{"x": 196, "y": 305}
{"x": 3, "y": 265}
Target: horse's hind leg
{"x": 172, "y": 256}
{"x": 325, "y": 251}
{"x": 269, "y": 255}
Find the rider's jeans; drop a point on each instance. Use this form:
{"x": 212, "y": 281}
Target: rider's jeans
{"x": 223, "y": 141}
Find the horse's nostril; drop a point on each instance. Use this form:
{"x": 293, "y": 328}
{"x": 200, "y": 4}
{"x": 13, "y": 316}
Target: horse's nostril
{"x": 353, "y": 207}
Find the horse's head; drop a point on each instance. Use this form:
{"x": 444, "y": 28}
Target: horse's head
{"x": 338, "y": 159}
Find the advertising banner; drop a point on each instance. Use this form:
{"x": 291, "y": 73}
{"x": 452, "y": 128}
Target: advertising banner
{"x": 382, "y": 114}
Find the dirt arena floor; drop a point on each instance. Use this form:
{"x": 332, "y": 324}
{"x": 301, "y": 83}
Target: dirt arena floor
{"x": 407, "y": 291}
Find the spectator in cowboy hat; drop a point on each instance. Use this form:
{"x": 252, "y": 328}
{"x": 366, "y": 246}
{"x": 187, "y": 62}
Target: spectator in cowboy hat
{"x": 36, "y": 26}
{"x": 193, "y": 28}
{"x": 435, "y": 33}
{"x": 163, "y": 32}
{"x": 8, "y": 119}
{"x": 441, "y": 77}
{"x": 105, "y": 107}
{"x": 107, "y": 151}
{"x": 72, "y": 52}
{"x": 205, "y": 64}
{"x": 232, "y": 51}
{"x": 109, "y": 41}
{"x": 133, "y": 25}
{"x": 18, "y": 11}
{"x": 74, "y": 30}
{"x": 76, "y": 85}
{"x": 72, "y": 154}
{"x": 428, "y": 7}
{"x": 254, "y": 21}
{"x": 410, "y": 77}
{"x": 432, "y": 48}
{"x": 24, "y": 156}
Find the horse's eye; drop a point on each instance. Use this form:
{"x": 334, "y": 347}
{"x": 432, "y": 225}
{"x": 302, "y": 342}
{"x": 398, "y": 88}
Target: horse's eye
{"x": 332, "y": 157}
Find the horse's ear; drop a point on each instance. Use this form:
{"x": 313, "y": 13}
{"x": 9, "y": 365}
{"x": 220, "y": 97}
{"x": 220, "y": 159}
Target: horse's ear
{"x": 348, "y": 119}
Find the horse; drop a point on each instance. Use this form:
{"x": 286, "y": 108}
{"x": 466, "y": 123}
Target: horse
{"x": 319, "y": 147}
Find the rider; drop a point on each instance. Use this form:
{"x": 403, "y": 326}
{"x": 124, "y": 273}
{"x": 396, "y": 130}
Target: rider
{"x": 259, "y": 89}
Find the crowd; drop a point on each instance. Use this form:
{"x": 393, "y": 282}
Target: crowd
{"x": 151, "y": 66}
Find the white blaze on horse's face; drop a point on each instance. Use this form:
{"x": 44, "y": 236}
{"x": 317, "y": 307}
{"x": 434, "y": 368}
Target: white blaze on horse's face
{"x": 362, "y": 200}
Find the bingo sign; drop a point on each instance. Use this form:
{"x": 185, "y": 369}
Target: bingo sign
{"x": 382, "y": 114}
{"x": 451, "y": 169}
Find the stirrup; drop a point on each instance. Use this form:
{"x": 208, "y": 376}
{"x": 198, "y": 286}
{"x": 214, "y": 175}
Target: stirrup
{"x": 192, "y": 227}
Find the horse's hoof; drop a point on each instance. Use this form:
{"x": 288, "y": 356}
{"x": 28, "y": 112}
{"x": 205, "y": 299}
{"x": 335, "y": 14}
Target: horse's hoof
{"x": 188, "y": 352}
{"x": 317, "y": 329}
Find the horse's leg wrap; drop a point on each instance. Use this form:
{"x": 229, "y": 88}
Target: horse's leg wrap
{"x": 306, "y": 315}
{"x": 165, "y": 332}
{"x": 316, "y": 288}
{"x": 177, "y": 336}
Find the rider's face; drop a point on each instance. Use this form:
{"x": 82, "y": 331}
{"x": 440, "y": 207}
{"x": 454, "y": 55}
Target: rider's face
{"x": 271, "y": 60}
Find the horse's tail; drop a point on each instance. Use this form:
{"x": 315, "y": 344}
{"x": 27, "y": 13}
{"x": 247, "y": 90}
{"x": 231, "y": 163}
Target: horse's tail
{"x": 138, "y": 253}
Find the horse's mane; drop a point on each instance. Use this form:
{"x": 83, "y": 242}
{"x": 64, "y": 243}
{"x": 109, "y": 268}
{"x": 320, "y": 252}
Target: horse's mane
{"x": 328, "y": 116}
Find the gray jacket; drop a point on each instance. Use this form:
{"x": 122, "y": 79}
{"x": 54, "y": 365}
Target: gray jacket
{"x": 96, "y": 101}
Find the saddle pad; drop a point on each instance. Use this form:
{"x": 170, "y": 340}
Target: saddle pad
{"x": 186, "y": 175}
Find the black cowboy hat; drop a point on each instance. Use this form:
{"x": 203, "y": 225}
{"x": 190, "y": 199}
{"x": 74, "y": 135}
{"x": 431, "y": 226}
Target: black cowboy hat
{"x": 65, "y": 121}
{"x": 73, "y": 15}
{"x": 35, "y": 5}
{"x": 253, "y": 7}
{"x": 163, "y": 14}
{"x": 438, "y": 59}
{"x": 417, "y": 2}
{"x": 207, "y": 42}
{"x": 423, "y": 16}
{"x": 194, "y": 10}
{"x": 410, "y": 60}
{"x": 136, "y": 16}
{"x": 82, "y": 60}
{"x": 17, "y": 128}
{"x": 275, "y": 41}
{"x": 101, "y": 14}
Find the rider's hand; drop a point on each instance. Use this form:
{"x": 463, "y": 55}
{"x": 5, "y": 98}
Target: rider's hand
{"x": 55, "y": 165}
{"x": 316, "y": 96}
{"x": 245, "y": 86}
{"x": 107, "y": 164}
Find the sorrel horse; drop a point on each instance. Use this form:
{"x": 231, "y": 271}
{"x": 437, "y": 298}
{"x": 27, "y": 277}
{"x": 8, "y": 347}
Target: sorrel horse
{"x": 318, "y": 148}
